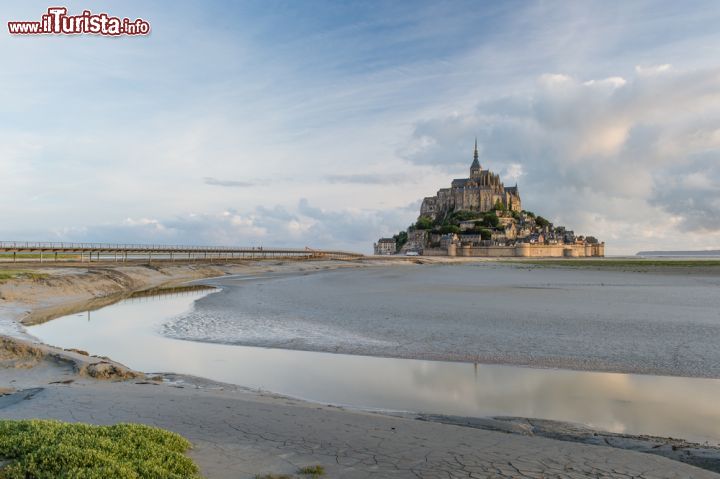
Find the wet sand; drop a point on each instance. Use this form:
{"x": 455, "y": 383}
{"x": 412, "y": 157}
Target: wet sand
{"x": 497, "y": 313}
{"x": 130, "y": 332}
{"x": 239, "y": 433}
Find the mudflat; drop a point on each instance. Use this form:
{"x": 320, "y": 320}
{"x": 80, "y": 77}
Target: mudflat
{"x": 241, "y": 433}
{"x": 244, "y": 434}
{"x": 546, "y": 315}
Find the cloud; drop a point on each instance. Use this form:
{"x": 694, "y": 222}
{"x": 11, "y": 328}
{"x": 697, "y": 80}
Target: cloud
{"x": 304, "y": 225}
{"x": 227, "y": 183}
{"x": 653, "y": 69}
{"x": 692, "y": 194}
{"x": 624, "y": 158}
{"x": 319, "y": 102}
{"x": 370, "y": 179}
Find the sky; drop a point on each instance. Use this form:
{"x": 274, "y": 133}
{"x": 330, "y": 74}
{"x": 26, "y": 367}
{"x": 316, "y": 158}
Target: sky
{"x": 324, "y": 124}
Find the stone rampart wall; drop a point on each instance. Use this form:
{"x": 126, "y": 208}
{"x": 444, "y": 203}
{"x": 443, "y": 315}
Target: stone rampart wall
{"x": 523, "y": 251}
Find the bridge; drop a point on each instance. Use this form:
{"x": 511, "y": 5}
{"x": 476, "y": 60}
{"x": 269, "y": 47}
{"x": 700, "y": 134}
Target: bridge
{"x": 14, "y": 251}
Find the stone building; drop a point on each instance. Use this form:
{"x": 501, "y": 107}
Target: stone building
{"x": 385, "y": 246}
{"x": 481, "y": 192}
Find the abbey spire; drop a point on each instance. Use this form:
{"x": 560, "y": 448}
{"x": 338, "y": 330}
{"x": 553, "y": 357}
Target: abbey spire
{"x": 475, "y": 167}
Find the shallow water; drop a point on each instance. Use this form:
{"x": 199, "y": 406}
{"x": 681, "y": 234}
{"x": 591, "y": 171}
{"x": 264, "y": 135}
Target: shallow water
{"x": 129, "y": 332}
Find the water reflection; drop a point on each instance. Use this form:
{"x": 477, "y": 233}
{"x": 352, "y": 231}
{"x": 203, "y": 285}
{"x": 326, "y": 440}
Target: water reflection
{"x": 636, "y": 404}
{"x": 183, "y": 290}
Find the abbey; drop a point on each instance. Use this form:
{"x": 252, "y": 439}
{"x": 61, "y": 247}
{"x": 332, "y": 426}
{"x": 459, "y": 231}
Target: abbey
{"x": 482, "y": 191}
{"x": 480, "y": 216}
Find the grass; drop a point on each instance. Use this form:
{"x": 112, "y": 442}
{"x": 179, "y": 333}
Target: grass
{"x": 623, "y": 262}
{"x": 44, "y": 449}
{"x": 47, "y": 256}
{"x": 19, "y": 273}
{"x": 312, "y": 471}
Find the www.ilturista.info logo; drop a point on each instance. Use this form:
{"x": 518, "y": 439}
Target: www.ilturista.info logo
{"x": 58, "y": 22}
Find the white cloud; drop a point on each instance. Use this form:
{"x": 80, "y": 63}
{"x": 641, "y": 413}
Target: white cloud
{"x": 653, "y": 69}
{"x": 304, "y": 225}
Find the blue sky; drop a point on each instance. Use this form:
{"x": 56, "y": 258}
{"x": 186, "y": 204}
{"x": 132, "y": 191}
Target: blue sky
{"x": 325, "y": 123}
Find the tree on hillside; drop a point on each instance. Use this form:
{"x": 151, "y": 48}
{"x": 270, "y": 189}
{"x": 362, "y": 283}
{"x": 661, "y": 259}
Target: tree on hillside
{"x": 445, "y": 229}
{"x": 541, "y": 222}
{"x": 400, "y": 240}
{"x": 464, "y": 215}
{"x": 491, "y": 220}
{"x": 424, "y": 223}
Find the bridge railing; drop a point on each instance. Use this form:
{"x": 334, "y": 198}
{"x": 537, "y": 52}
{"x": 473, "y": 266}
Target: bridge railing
{"x": 124, "y": 246}
{"x": 161, "y": 248}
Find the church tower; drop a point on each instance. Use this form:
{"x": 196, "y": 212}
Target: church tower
{"x": 475, "y": 167}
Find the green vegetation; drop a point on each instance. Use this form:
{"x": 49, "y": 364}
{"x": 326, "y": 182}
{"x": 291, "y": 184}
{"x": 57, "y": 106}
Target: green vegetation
{"x": 446, "y": 229}
{"x": 464, "y": 215}
{"x": 491, "y": 220}
{"x": 499, "y": 206}
{"x": 529, "y": 214}
{"x": 424, "y": 223}
{"x": 541, "y": 222}
{"x": 400, "y": 240}
{"x": 18, "y": 273}
{"x": 314, "y": 471}
{"x": 488, "y": 219}
{"x": 45, "y": 449}
{"x": 623, "y": 263}
{"x": 485, "y": 234}
{"x": 47, "y": 256}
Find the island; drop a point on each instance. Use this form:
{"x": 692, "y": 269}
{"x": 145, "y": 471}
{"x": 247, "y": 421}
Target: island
{"x": 480, "y": 216}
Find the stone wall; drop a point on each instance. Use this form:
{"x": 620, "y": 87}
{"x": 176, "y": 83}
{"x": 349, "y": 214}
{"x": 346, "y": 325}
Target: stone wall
{"x": 523, "y": 250}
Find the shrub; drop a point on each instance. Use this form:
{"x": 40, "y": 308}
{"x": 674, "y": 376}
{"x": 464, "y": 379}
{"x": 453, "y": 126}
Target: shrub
{"x": 485, "y": 234}
{"x": 464, "y": 215}
{"x": 499, "y": 206}
{"x": 400, "y": 240}
{"x": 445, "y": 229}
{"x": 490, "y": 219}
{"x": 424, "y": 223}
{"x": 314, "y": 471}
{"x": 541, "y": 222}
{"x": 44, "y": 449}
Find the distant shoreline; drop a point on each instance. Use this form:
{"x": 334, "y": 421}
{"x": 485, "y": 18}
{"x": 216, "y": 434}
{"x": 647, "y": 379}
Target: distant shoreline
{"x": 681, "y": 254}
